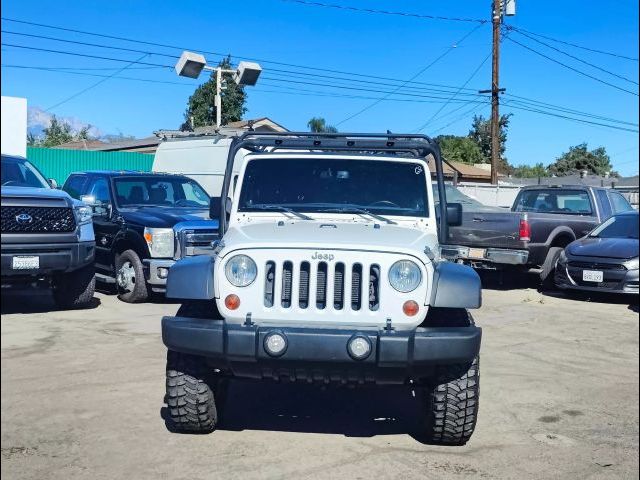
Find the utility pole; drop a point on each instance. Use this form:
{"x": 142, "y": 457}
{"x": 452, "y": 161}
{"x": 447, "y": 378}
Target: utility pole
{"x": 495, "y": 91}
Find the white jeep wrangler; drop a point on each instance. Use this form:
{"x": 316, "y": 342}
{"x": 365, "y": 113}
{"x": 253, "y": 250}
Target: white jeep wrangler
{"x": 328, "y": 270}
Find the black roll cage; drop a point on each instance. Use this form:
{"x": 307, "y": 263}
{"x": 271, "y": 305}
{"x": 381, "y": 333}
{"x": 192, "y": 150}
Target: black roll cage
{"x": 406, "y": 145}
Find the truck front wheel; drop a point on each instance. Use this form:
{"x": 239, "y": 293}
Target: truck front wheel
{"x": 130, "y": 277}
{"x": 190, "y": 399}
{"x": 452, "y": 405}
{"x": 74, "y": 289}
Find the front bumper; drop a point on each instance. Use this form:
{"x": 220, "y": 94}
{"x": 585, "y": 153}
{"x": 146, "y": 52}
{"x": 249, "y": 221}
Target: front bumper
{"x": 53, "y": 257}
{"x": 321, "y": 354}
{"x": 619, "y": 280}
{"x": 503, "y": 256}
{"x": 156, "y": 271}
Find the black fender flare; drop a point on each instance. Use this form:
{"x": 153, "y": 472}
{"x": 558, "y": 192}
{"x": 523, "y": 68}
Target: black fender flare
{"x": 455, "y": 286}
{"x": 191, "y": 278}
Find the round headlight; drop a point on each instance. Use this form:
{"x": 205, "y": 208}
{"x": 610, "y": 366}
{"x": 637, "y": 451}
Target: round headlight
{"x": 241, "y": 271}
{"x": 405, "y": 276}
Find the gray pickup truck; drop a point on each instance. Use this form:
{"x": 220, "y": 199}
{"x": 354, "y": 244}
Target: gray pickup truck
{"x": 542, "y": 221}
{"x": 47, "y": 237}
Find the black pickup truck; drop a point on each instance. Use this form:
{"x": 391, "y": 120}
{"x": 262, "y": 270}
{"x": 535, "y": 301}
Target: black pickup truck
{"x": 542, "y": 221}
{"x": 143, "y": 223}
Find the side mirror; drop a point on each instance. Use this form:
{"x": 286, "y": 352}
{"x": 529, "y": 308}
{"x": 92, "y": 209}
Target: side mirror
{"x": 214, "y": 208}
{"x": 99, "y": 209}
{"x": 454, "y": 214}
{"x": 53, "y": 183}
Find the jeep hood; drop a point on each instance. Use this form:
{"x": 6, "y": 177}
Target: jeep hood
{"x": 317, "y": 235}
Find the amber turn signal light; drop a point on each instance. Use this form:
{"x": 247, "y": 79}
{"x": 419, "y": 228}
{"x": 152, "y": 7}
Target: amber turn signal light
{"x": 410, "y": 308}
{"x": 232, "y": 302}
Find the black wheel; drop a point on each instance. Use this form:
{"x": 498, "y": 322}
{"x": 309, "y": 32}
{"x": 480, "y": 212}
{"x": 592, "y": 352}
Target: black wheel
{"x": 74, "y": 289}
{"x": 452, "y": 405}
{"x": 547, "y": 276}
{"x": 130, "y": 281}
{"x": 189, "y": 397}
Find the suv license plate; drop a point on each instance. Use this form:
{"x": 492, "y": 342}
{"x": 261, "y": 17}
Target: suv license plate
{"x": 592, "y": 276}
{"x": 25, "y": 263}
{"x": 477, "y": 252}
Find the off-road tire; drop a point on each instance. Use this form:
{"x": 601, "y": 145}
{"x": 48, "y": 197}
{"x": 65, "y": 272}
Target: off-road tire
{"x": 189, "y": 397}
{"x": 547, "y": 275}
{"x": 452, "y": 405}
{"x": 140, "y": 292}
{"x": 75, "y": 289}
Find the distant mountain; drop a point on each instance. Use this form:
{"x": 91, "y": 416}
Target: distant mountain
{"x": 38, "y": 120}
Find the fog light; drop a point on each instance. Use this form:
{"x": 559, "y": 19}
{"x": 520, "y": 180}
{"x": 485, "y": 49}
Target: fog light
{"x": 359, "y": 347}
{"x": 410, "y": 308}
{"x": 163, "y": 272}
{"x": 232, "y": 302}
{"x": 275, "y": 344}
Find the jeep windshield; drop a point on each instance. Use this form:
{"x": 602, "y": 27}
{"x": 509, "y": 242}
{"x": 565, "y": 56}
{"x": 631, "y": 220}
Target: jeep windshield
{"x": 317, "y": 185}
{"x": 19, "y": 172}
{"x": 160, "y": 191}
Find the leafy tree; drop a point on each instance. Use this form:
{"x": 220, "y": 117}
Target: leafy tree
{"x": 579, "y": 158}
{"x": 201, "y": 109}
{"x": 527, "y": 171}
{"x": 459, "y": 149}
{"x": 481, "y": 133}
{"x": 319, "y": 125}
{"x": 57, "y": 133}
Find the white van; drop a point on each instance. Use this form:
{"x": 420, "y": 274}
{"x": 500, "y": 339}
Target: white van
{"x": 202, "y": 158}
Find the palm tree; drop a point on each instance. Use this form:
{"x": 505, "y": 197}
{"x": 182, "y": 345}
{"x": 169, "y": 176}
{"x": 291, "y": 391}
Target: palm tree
{"x": 319, "y": 125}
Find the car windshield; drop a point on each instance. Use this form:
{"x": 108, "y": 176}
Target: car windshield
{"x": 19, "y": 172}
{"x": 570, "y": 202}
{"x": 335, "y": 185}
{"x": 619, "y": 226}
{"x": 160, "y": 191}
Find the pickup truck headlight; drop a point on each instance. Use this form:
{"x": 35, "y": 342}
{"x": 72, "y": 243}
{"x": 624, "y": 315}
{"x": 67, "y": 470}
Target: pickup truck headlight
{"x": 159, "y": 241}
{"x": 405, "y": 276}
{"x": 84, "y": 214}
{"x": 633, "y": 264}
{"x": 241, "y": 271}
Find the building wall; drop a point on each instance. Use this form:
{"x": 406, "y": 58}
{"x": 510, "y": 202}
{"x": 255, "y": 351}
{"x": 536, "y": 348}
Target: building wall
{"x": 59, "y": 163}
{"x": 13, "y": 120}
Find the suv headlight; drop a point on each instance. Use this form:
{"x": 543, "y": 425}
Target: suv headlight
{"x": 241, "y": 271}
{"x": 405, "y": 276}
{"x": 159, "y": 241}
{"x": 633, "y": 264}
{"x": 84, "y": 214}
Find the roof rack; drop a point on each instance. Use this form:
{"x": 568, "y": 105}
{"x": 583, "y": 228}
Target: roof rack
{"x": 416, "y": 145}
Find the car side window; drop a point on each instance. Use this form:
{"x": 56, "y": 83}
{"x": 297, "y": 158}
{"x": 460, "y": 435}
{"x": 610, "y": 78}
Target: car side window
{"x": 604, "y": 203}
{"x": 74, "y": 185}
{"x": 99, "y": 188}
{"x": 620, "y": 204}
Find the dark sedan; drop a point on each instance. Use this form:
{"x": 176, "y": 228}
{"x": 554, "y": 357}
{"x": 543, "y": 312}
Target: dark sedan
{"x": 606, "y": 260}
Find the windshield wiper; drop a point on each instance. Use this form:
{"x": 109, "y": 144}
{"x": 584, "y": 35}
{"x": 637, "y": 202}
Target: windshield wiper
{"x": 281, "y": 208}
{"x": 360, "y": 210}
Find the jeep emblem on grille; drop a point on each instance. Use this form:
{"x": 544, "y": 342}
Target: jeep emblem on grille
{"x": 24, "y": 218}
{"x": 322, "y": 256}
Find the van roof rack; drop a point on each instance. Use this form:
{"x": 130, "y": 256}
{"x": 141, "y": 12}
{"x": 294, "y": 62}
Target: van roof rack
{"x": 415, "y": 145}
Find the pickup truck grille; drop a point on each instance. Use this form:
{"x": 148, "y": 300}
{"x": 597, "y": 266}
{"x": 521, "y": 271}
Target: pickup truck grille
{"x": 322, "y": 285}
{"x": 195, "y": 241}
{"x": 37, "y": 219}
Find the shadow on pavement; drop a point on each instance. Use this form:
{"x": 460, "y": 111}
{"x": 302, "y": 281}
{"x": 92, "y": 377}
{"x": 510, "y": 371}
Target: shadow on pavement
{"x": 33, "y": 300}
{"x": 353, "y": 412}
{"x": 504, "y": 280}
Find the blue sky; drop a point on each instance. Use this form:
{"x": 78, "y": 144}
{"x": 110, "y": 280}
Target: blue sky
{"x": 372, "y": 44}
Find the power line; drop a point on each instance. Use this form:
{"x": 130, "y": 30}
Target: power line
{"x": 385, "y": 12}
{"x": 465, "y": 114}
{"x": 419, "y": 129}
{"x": 621, "y": 77}
{"x": 521, "y": 30}
{"x": 420, "y": 72}
{"x": 94, "y": 85}
{"x": 570, "y": 67}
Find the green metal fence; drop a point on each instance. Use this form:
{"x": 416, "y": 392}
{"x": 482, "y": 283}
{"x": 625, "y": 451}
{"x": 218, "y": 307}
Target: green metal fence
{"x": 58, "y": 163}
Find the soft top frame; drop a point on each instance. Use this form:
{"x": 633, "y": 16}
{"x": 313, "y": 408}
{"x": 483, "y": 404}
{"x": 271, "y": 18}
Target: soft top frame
{"x": 405, "y": 145}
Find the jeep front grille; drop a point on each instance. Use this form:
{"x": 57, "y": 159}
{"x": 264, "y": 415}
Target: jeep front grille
{"x": 324, "y": 285}
{"x": 37, "y": 219}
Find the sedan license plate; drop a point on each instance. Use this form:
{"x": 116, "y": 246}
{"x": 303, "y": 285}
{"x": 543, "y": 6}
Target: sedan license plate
{"x": 592, "y": 276}
{"x": 25, "y": 263}
{"x": 477, "y": 252}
